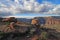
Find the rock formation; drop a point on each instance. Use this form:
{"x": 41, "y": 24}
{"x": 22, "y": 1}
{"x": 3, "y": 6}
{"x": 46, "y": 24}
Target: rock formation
{"x": 34, "y": 21}
{"x": 10, "y": 22}
{"x": 11, "y": 19}
{"x": 52, "y": 21}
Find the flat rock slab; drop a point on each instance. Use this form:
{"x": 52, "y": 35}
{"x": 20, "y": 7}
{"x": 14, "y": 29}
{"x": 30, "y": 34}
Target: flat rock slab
{"x": 18, "y": 28}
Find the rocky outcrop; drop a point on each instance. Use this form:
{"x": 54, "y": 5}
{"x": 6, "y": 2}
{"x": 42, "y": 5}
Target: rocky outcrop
{"x": 35, "y": 21}
{"x": 11, "y": 19}
{"x": 41, "y": 20}
{"x": 52, "y": 21}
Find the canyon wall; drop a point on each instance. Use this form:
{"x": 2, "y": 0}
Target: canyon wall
{"x": 52, "y": 21}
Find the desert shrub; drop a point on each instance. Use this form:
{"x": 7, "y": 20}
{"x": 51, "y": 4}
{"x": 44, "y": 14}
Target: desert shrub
{"x": 43, "y": 36}
{"x": 2, "y": 33}
{"x": 7, "y": 23}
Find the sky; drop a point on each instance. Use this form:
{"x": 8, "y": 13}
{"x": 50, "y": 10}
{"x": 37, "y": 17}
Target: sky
{"x": 29, "y": 8}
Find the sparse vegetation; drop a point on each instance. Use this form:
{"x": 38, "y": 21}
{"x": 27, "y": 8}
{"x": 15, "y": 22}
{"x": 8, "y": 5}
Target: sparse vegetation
{"x": 56, "y": 26}
{"x": 7, "y": 23}
{"x": 44, "y": 36}
{"x": 49, "y": 32}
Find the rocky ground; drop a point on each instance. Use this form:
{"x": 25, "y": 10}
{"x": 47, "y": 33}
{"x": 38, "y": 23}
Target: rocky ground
{"x": 43, "y": 34}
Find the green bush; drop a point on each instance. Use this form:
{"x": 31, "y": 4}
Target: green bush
{"x": 43, "y": 36}
{"x": 7, "y": 23}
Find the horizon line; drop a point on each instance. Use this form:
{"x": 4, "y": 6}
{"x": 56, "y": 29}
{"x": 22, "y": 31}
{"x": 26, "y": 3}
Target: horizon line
{"x": 26, "y": 16}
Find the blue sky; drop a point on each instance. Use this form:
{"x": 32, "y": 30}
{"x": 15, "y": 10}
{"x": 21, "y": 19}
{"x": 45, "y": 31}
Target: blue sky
{"x": 37, "y": 15}
{"x": 30, "y": 8}
{"x": 52, "y": 1}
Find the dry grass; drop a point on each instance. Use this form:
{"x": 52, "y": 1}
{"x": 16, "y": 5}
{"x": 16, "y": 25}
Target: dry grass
{"x": 57, "y": 27}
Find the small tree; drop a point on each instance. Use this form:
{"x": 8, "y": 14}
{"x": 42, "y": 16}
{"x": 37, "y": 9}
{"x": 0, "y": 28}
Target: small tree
{"x": 43, "y": 36}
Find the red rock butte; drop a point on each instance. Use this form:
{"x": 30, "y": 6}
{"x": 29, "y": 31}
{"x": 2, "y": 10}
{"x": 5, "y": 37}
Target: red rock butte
{"x": 52, "y": 21}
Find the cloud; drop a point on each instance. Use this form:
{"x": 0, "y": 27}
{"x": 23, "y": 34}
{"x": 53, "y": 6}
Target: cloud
{"x": 55, "y": 10}
{"x": 11, "y": 7}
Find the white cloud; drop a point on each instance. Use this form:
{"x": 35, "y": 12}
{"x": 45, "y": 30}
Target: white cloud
{"x": 55, "y": 10}
{"x": 29, "y": 6}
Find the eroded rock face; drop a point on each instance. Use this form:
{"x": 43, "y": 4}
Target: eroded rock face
{"x": 10, "y": 22}
{"x": 17, "y": 28}
{"x": 52, "y": 21}
{"x": 11, "y": 19}
{"x": 34, "y": 21}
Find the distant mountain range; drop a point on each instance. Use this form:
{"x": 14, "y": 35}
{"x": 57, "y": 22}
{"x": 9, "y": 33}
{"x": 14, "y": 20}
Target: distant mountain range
{"x": 57, "y": 17}
{"x": 42, "y": 20}
{"x": 24, "y": 20}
